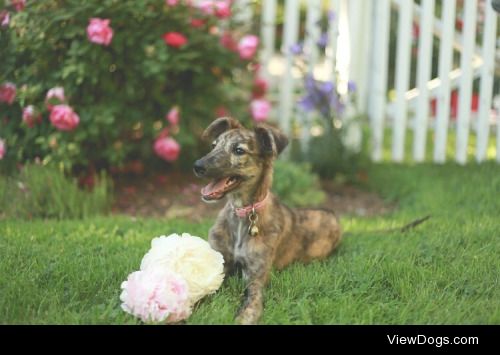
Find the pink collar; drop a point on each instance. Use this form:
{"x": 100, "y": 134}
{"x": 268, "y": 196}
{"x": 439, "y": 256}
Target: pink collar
{"x": 242, "y": 212}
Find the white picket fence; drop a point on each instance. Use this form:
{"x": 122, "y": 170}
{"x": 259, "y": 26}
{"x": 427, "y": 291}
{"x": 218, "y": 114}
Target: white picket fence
{"x": 358, "y": 50}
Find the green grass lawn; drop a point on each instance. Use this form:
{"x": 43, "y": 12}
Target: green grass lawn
{"x": 444, "y": 272}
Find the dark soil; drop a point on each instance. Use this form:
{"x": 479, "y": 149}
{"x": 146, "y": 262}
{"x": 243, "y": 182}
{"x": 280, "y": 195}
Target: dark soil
{"x": 178, "y": 196}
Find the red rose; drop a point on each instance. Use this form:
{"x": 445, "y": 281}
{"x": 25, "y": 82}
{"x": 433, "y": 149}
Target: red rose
{"x": 197, "y": 23}
{"x": 259, "y": 88}
{"x": 175, "y": 39}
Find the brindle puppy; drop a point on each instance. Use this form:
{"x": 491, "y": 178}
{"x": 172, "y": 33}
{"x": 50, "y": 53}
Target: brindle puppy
{"x": 241, "y": 168}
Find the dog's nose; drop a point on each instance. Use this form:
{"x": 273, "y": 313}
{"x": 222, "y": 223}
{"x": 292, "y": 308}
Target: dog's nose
{"x": 199, "y": 169}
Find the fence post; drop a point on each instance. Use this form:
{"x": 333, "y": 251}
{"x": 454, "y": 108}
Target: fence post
{"x": 464, "y": 102}
{"x": 443, "y": 96}
{"x": 333, "y": 33}
{"x": 496, "y": 104}
{"x": 290, "y": 37}
{"x": 360, "y": 22}
{"x": 311, "y": 49}
{"x": 268, "y": 33}
{"x": 423, "y": 77}
{"x": 403, "y": 62}
{"x": 487, "y": 75}
{"x": 379, "y": 78}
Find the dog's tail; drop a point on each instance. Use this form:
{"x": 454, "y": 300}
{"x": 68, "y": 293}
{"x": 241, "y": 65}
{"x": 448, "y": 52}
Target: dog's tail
{"x": 402, "y": 229}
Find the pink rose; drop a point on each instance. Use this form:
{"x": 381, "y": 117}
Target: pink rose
{"x": 4, "y": 18}
{"x": 173, "y": 116}
{"x": 19, "y": 5}
{"x": 172, "y": 2}
{"x": 99, "y": 32}
{"x": 156, "y": 295}
{"x": 54, "y": 96}
{"x": 30, "y": 116}
{"x": 206, "y": 6}
{"x": 64, "y": 118}
{"x": 222, "y": 9}
{"x": 3, "y": 148}
{"x": 167, "y": 148}
{"x": 260, "y": 109}
{"x": 248, "y": 46}
{"x": 228, "y": 42}
{"x": 175, "y": 39}
{"x": 7, "y": 93}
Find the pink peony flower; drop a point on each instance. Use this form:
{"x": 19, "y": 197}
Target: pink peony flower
{"x": 175, "y": 39}
{"x": 167, "y": 148}
{"x": 248, "y": 46}
{"x": 4, "y": 18}
{"x": 54, "y": 96}
{"x": 99, "y": 32}
{"x": 3, "y": 148}
{"x": 8, "y": 93}
{"x": 156, "y": 295}
{"x": 260, "y": 109}
{"x": 64, "y": 118}
{"x": 19, "y": 5}
{"x": 172, "y": 2}
{"x": 173, "y": 116}
{"x": 30, "y": 116}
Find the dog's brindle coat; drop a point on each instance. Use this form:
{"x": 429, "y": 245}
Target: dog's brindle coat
{"x": 285, "y": 235}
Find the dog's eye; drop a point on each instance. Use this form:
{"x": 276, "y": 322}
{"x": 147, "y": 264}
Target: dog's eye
{"x": 239, "y": 151}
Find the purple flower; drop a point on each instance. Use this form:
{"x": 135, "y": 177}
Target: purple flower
{"x": 296, "y": 49}
{"x": 321, "y": 96}
{"x": 351, "y": 86}
{"x": 323, "y": 40}
{"x": 306, "y": 103}
{"x": 332, "y": 15}
{"x": 327, "y": 87}
{"x": 310, "y": 83}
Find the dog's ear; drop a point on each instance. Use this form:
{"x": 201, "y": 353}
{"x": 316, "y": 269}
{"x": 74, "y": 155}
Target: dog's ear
{"x": 270, "y": 140}
{"x": 219, "y": 126}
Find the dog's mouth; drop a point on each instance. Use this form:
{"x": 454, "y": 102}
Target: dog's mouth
{"x": 218, "y": 188}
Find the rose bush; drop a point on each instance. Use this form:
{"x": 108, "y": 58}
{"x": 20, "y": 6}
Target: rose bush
{"x": 103, "y": 74}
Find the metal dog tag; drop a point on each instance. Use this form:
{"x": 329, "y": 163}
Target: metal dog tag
{"x": 253, "y": 230}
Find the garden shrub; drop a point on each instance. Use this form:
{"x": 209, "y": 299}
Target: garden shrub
{"x": 296, "y": 184}
{"x": 122, "y": 65}
{"x": 45, "y": 192}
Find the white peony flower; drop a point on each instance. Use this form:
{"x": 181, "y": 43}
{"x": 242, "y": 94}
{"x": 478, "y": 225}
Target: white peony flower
{"x": 192, "y": 258}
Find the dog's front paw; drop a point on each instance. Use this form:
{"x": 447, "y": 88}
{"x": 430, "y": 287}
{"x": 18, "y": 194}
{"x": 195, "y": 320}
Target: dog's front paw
{"x": 248, "y": 316}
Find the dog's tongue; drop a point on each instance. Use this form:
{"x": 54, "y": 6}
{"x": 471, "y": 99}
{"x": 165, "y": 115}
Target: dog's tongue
{"x": 214, "y": 188}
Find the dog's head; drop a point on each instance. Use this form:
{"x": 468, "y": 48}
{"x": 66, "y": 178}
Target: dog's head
{"x": 238, "y": 156}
